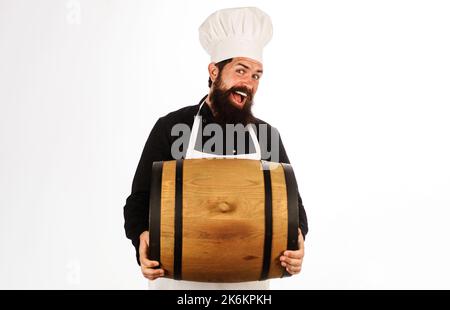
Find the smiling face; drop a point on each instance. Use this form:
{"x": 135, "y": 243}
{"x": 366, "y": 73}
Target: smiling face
{"x": 241, "y": 75}
{"x": 235, "y": 82}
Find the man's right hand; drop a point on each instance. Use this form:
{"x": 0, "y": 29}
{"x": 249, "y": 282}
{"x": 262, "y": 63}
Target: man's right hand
{"x": 147, "y": 266}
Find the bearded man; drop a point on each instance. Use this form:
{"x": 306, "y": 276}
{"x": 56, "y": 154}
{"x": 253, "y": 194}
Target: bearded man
{"x": 234, "y": 38}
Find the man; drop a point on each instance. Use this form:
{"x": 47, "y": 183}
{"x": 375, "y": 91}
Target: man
{"x": 234, "y": 38}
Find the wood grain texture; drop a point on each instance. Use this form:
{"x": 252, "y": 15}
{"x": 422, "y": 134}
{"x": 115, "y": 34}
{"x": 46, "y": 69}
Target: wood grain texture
{"x": 168, "y": 216}
{"x": 280, "y": 221}
{"x": 223, "y": 219}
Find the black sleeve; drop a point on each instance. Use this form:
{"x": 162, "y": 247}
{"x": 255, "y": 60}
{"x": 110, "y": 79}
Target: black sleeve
{"x": 136, "y": 209}
{"x": 303, "y": 220}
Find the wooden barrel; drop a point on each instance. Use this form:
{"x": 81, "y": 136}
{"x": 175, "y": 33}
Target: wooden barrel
{"x": 222, "y": 220}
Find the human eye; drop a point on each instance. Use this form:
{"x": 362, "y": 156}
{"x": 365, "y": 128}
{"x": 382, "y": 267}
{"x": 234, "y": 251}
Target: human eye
{"x": 256, "y": 76}
{"x": 240, "y": 71}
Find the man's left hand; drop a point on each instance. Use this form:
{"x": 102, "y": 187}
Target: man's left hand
{"x": 292, "y": 260}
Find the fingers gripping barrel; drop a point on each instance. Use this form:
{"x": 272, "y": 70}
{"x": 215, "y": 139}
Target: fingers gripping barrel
{"x": 222, "y": 220}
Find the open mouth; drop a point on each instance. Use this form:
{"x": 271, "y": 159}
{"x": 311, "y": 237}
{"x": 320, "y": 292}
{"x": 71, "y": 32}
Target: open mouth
{"x": 239, "y": 98}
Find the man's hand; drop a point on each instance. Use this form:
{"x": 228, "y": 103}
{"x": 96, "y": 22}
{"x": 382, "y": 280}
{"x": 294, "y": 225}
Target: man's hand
{"x": 146, "y": 264}
{"x": 292, "y": 260}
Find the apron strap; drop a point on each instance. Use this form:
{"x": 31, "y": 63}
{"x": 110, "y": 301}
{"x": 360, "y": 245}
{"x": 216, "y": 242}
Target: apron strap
{"x": 194, "y": 132}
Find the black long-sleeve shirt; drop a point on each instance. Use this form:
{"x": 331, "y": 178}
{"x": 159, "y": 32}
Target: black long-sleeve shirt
{"x": 158, "y": 148}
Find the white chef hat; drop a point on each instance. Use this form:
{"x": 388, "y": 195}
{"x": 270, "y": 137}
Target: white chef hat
{"x": 236, "y": 32}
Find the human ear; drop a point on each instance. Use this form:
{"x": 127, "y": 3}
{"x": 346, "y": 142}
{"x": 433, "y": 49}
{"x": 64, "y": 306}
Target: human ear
{"x": 213, "y": 71}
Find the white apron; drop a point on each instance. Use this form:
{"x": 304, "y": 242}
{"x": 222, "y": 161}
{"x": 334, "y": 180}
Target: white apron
{"x": 191, "y": 153}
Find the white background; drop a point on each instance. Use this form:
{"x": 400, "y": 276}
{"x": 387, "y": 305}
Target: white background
{"x": 359, "y": 91}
